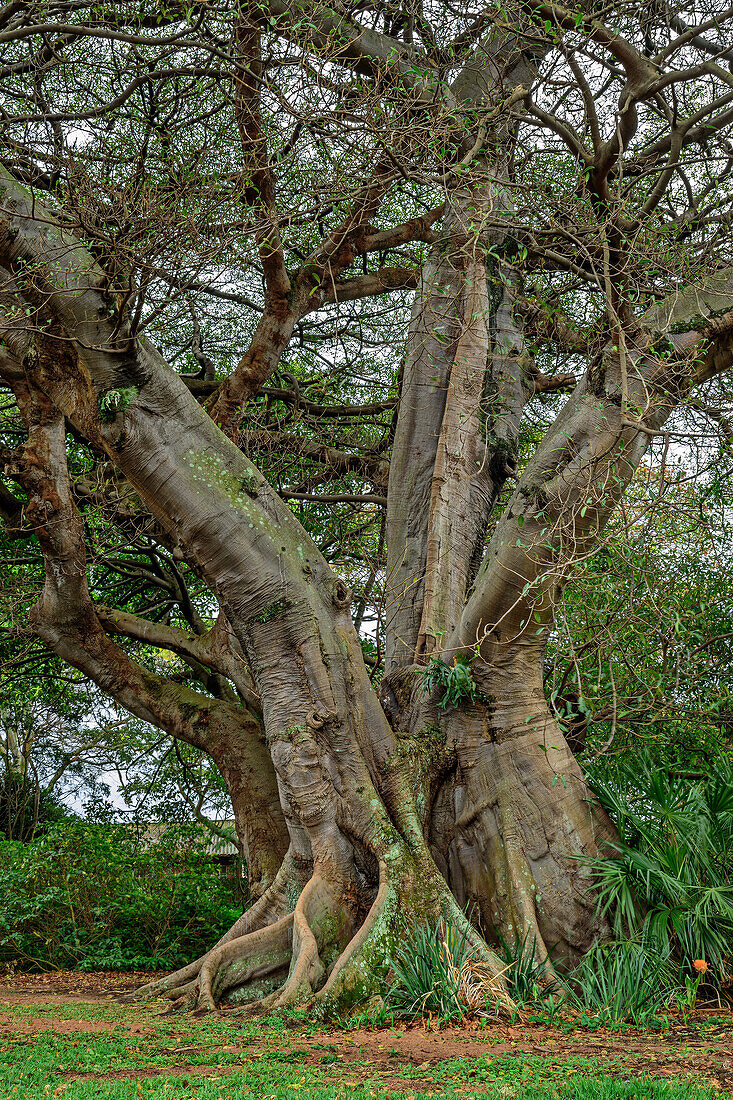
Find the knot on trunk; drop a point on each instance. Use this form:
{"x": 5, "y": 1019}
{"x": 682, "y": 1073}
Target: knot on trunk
{"x": 317, "y": 719}
{"x": 341, "y": 595}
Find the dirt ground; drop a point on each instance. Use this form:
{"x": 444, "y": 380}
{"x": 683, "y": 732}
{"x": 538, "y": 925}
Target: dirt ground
{"x": 70, "y": 986}
{"x": 701, "y": 1049}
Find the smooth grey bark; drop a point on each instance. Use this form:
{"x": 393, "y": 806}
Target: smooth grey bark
{"x": 359, "y": 864}
{"x": 455, "y": 445}
{"x": 523, "y": 808}
{"x": 328, "y": 737}
{"x": 462, "y": 394}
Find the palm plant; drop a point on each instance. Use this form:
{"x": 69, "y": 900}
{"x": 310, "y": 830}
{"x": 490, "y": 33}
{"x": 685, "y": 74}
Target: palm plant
{"x": 671, "y": 879}
{"x": 627, "y": 980}
{"x": 529, "y": 977}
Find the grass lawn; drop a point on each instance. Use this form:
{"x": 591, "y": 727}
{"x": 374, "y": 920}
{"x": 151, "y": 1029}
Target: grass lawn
{"x": 69, "y": 1036}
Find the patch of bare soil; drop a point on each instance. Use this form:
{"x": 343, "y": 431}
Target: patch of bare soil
{"x": 418, "y": 1044}
{"x": 70, "y": 986}
{"x": 678, "y": 1051}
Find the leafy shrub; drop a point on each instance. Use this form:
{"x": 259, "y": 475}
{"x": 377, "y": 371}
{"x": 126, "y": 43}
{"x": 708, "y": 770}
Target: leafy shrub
{"x": 623, "y": 980}
{"x": 671, "y": 879}
{"x": 438, "y": 972}
{"x": 93, "y": 897}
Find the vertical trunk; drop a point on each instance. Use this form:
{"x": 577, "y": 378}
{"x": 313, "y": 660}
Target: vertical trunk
{"x": 462, "y": 397}
{"x": 19, "y": 795}
{"x": 516, "y": 818}
{"x": 258, "y": 818}
{"x": 456, "y": 438}
{"x": 432, "y": 339}
{"x": 476, "y": 451}
{"x": 523, "y": 812}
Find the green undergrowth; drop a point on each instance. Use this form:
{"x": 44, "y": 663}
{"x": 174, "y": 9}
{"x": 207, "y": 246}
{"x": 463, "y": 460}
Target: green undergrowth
{"x": 666, "y": 890}
{"x": 90, "y": 897}
{"x": 279, "y": 1058}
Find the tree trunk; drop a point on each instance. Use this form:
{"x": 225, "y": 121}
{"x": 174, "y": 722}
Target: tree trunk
{"x": 488, "y": 794}
{"x": 514, "y": 820}
{"x": 514, "y": 813}
{"x": 342, "y": 782}
{"x": 456, "y": 440}
{"x": 66, "y": 620}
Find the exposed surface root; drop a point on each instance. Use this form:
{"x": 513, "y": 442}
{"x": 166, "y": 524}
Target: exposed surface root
{"x": 182, "y": 990}
{"x": 170, "y": 984}
{"x": 318, "y": 953}
{"x": 319, "y": 934}
{"x": 245, "y": 959}
{"x": 350, "y": 969}
{"x": 361, "y": 966}
{"x": 274, "y": 904}
{"x": 307, "y": 970}
{"x": 297, "y": 949}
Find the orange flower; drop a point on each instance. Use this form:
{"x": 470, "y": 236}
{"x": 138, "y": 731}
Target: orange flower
{"x": 701, "y": 966}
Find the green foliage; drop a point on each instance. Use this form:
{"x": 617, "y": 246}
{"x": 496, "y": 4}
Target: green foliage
{"x": 427, "y": 971}
{"x": 110, "y": 402}
{"x": 624, "y": 980}
{"x": 456, "y": 679}
{"x": 671, "y": 879}
{"x": 642, "y": 651}
{"x": 96, "y": 897}
{"x": 438, "y": 972}
{"x": 527, "y": 973}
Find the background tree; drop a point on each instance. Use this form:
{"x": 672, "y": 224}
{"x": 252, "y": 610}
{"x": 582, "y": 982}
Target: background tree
{"x": 641, "y": 654}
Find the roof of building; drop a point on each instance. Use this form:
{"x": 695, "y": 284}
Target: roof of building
{"x": 214, "y": 845}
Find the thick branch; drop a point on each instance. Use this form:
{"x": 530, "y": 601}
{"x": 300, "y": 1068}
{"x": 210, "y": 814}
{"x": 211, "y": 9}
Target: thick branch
{"x": 585, "y": 462}
{"x": 66, "y": 621}
{"x": 214, "y": 649}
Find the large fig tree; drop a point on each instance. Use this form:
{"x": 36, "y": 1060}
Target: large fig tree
{"x": 551, "y": 182}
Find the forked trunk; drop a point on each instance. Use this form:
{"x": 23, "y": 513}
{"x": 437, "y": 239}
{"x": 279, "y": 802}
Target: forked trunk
{"x": 374, "y": 809}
